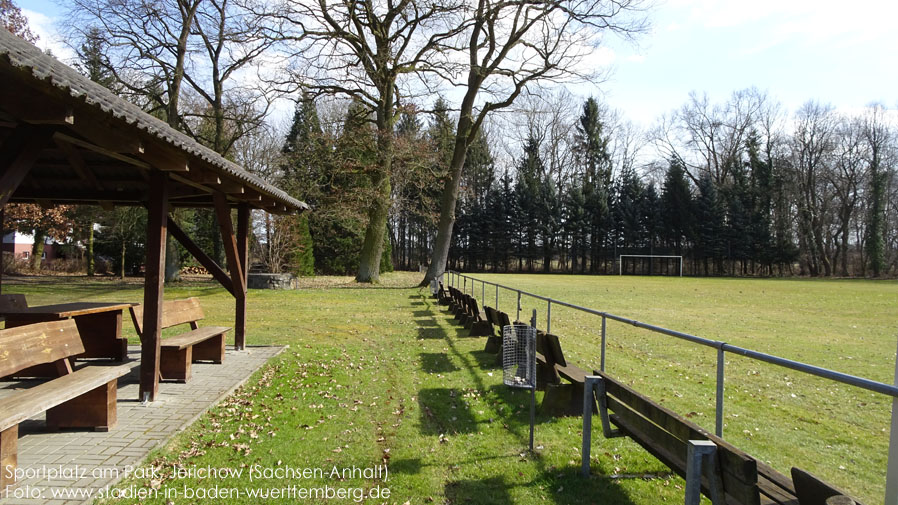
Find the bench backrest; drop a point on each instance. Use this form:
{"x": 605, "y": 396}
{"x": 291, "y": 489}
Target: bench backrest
{"x": 174, "y": 312}
{"x": 504, "y": 320}
{"x": 490, "y": 315}
{"x": 549, "y": 346}
{"x": 35, "y": 344}
{"x": 13, "y": 302}
{"x": 473, "y": 308}
{"x": 665, "y": 434}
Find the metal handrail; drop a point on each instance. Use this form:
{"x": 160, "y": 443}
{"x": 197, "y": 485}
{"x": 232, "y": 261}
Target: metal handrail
{"x": 722, "y": 348}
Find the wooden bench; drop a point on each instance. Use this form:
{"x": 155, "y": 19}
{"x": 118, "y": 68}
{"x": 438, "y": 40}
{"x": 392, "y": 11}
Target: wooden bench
{"x": 179, "y": 352}
{"x": 477, "y": 321}
{"x": 561, "y": 398}
{"x": 443, "y": 295}
{"x": 13, "y": 301}
{"x": 500, "y": 320}
{"x": 84, "y": 398}
{"x": 455, "y": 301}
{"x": 710, "y": 465}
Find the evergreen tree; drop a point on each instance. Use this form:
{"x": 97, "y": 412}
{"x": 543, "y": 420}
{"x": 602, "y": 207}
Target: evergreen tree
{"x": 595, "y": 160}
{"x": 676, "y": 205}
{"x": 709, "y": 218}
{"x": 628, "y": 229}
{"x": 761, "y": 213}
{"x": 302, "y": 256}
{"x": 529, "y": 201}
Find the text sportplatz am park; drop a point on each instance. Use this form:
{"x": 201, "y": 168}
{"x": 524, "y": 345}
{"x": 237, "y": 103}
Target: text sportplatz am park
{"x": 253, "y": 473}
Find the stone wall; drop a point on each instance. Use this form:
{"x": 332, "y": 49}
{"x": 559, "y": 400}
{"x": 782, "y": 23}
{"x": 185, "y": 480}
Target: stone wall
{"x": 269, "y": 281}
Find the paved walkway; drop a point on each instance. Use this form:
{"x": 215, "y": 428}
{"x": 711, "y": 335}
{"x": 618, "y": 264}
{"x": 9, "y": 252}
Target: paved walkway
{"x": 88, "y": 460}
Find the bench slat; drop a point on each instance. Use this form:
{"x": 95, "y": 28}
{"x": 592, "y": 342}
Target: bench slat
{"x": 731, "y": 457}
{"x": 34, "y": 344}
{"x": 174, "y": 312}
{"x": 31, "y": 402}
{"x": 193, "y": 337}
{"x": 672, "y": 452}
{"x": 773, "y": 492}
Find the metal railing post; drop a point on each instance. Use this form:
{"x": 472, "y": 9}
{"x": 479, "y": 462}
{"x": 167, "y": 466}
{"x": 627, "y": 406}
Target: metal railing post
{"x": 497, "y": 297}
{"x": 602, "y": 363}
{"x": 892, "y": 462}
{"x": 518, "y": 316}
{"x": 549, "y": 316}
{"x": 482, "y": 291}
{"x": 718, "y": 425}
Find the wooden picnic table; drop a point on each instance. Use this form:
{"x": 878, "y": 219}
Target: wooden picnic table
{"x": 99, "y": 323}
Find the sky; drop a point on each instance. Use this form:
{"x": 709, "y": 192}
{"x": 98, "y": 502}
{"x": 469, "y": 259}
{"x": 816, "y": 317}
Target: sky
{"x": 835, "y": 52}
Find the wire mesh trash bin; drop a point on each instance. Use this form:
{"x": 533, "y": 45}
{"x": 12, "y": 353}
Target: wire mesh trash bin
{"x": 519, "y": 363}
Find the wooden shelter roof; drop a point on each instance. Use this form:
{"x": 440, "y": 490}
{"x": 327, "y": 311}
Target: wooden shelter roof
{"x": 97, "y": 148}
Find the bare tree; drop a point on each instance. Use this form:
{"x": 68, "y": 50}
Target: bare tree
{"x": 365, "y": 50}
{"x": 846, "y": 177}
{"x": 148, "y": 45}
{"x": 706, "y": 137}
{"x": 507, "y": 47}
{"x": 812, "y": 148}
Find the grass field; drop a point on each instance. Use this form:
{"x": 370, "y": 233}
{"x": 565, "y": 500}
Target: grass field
{"x": 376, "y": 375}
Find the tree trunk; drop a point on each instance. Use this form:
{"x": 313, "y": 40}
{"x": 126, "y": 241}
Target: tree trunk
{"x": 447, "y": 202}
{"x": 37, "y": 250}
{"x": 378, "y": 212}
{"x": 90, "y": 251}
{"x": 172, "y": 261}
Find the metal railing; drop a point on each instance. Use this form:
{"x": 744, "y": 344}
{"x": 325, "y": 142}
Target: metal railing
{"x": 457, "y": 278}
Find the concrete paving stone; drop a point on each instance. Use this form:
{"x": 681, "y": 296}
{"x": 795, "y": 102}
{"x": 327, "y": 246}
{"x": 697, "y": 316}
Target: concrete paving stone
{"x": 140, "y": 427}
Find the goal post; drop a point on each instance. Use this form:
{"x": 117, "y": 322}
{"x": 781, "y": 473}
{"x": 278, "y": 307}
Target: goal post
{"x": 620, "y": 261}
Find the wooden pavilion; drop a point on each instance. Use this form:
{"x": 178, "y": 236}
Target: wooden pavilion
{"x": 67, "y": 140}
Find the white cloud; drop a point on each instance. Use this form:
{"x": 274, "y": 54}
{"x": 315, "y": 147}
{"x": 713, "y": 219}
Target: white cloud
{"x": 636, "y": 58}
{"x": 808, "y": 22}
{"x": 48, "y": 37}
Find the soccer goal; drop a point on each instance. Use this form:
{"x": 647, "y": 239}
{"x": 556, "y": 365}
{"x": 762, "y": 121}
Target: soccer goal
{"x": 651, "y": 264}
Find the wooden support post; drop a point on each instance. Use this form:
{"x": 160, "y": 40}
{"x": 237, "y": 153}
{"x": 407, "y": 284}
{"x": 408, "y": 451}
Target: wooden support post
{"x": 2, "y": 233}
{"x": 235, "y": 263}
{"x": 243, "y": 214}
{"x": 157, "y": 229}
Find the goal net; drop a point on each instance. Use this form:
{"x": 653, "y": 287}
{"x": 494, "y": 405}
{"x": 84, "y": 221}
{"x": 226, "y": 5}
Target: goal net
{"x": 650, "y": 264}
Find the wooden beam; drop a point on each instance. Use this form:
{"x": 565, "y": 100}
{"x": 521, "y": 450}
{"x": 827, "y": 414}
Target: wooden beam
{"x": 101, "y": 150}
{"x": 220, "y": 275}
{"x": 100, "y": 130}
{"x": 243, "y": 217}
{"x": 229, "y": 241}
{"x": 165, "y": 160}
{"x": 151, "y": 338}
{"x": 76, "y": 161}
{"x": 38, "y": 110}
{"x": 19, "y": 153}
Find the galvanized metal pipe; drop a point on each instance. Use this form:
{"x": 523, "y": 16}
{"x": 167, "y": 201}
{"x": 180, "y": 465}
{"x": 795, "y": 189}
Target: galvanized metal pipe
{"x": 602, "y": 364}
{"x": 549, "y": 317}
{"x": 518, "y": 316}
{"x": 718, "y": 412}
{"x": 497, "y": 297}
{"x": 892, "y": 468}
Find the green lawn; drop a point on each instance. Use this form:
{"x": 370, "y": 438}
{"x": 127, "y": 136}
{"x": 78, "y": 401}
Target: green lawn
{"x": 376, "y": 375}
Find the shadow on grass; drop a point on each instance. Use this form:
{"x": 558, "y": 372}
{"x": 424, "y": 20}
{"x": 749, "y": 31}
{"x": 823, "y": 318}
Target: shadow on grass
{"x": 493, "y": 490}
{"x": 557, "y": 485}
{"x": 432, "y": 362}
